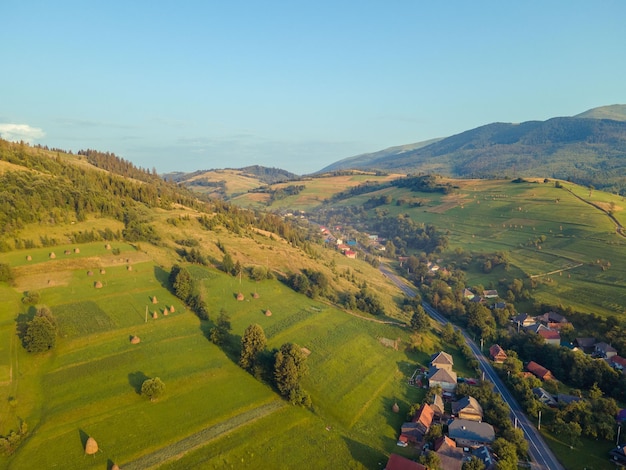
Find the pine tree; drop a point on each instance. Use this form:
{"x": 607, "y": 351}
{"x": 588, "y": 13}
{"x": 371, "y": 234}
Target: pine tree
{"x": 253, "y": 342}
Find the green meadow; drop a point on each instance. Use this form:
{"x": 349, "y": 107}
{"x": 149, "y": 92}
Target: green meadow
{"x": 213, "y": 414}
{"x": 561, "y": 237}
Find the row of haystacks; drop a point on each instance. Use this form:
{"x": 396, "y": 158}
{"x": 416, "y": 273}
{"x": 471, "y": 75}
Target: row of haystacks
{"x": 52, "y": 254}
{"x": 166, "y": 312}
{"x": 240, "y": 298}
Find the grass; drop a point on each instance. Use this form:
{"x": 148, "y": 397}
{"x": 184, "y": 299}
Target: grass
{"x": 211, "y": 407}
{"x": 588, "y": 454}
{"x": 538, "y": 234}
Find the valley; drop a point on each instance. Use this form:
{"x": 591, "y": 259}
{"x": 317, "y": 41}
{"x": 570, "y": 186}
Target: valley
{"x": 109, "y": 282}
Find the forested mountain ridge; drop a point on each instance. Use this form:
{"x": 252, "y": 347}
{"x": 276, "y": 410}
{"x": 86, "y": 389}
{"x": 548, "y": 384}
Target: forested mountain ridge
{"x": 42, "y": 186}
{"x": 587, "y": 151}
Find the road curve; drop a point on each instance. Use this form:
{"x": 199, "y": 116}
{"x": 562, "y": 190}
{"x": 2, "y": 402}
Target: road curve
{"x": 541, "y": 455}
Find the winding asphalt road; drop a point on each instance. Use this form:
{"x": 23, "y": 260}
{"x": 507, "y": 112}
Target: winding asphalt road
{"x": 541, "y": 455}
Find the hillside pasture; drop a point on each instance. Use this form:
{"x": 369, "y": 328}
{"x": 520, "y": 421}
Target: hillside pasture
{"x": 569, "y": 246}
{"x": 91, "y": 380}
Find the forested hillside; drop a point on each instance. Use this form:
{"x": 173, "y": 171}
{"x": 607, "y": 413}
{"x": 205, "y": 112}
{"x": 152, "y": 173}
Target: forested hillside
{"x": 585, "y": 151}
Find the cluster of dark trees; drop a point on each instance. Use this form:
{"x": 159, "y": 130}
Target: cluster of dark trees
{"x": 310, "y": 282}
{"x": 367, "y": 187}
{"x": 268, "y": 175}
{"x": 186, "y": 289}
{"x": 285, "y": 368}
{"x": 6, "y": 273}
{"x": 423, "y": 184}
{"x": 38, "y": 334}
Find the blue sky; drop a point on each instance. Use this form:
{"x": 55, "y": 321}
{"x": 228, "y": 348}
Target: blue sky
{"x": 190, "y": 85}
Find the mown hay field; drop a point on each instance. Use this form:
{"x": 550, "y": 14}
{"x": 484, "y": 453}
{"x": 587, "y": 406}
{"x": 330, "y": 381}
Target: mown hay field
{"x": 88, "y": 385}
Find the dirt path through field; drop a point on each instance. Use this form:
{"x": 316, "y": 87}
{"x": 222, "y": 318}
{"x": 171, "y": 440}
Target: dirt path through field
{"x": 201, "y": 438}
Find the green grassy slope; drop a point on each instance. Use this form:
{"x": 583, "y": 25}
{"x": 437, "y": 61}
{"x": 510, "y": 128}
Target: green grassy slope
{"x": 88, "y": 385}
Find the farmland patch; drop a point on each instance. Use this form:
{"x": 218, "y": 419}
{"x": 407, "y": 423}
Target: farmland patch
{"x": 81, "y": 318}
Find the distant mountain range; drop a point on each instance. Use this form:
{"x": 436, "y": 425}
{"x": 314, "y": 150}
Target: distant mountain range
{"x": 589, "y": 148}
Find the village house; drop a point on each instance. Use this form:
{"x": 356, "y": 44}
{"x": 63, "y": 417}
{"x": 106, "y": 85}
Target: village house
{"x": 485, "y": 456}
{"x": 544, "y": 397}
{"x": 552, "y": 317}
{"x": 523, "y": 320}
{"x": 468, "y": 294}
{"x": 441, "y": 373}
{"x": 442, "y": 360}
{"x": 497, "y": 354}
{"x": 490, "y": 294}
{"x": 450, "y": 456}
{"x": 397, "y": 462}
{"x": 438, "y": 406}
{"x": 350, "y": 254}
{"x": 552, "y": 337}
{"x": 468, "y": 433}
{"x": 604, "y": 350}
{"x": 468, "y": 408}
{"x": 415, "y": 431}
{"x": 585, "y": 344}
{"x": 539, "y": 371}
{"x": 618, "y": 363}
{"x": 446, "y": 379}
{"x": 424, "y": 418}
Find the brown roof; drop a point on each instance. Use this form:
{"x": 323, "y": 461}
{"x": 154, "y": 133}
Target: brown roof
{"x": 549, "y": 334}
{"x": 441, "y": 357}
{"x": 496, "y": 350}
{"x": 424, "y": 416}
{"x": 443, "y": 440}
{"x": 618, "y": 360}
{"x": 397, "y": 462}
{"x": 539, "y": 371}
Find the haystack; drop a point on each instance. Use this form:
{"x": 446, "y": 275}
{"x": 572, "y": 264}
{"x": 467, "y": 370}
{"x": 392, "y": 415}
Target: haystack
{"x": 102, "y": 271}
{"x": 172, "y": 309}
{"x": 155, "y": 314}
{"x": 154, "y": 300}
{"x": 129, "y": 268}
{"x": 52, "y": 255}
{"x": 107, "y": 246}
{"x": 135, "y": 340}
{"x": 29, "y": 258}
{"x": 115, "y": 467}
{"x": 166, "y": 312}
{"x": 89, "y": 273}
{"x": 240, "y": 296}
{"x": 91, "y": 446}
{"x": 395, "y": 408}
{"x": 76, "y": 250}
{"x": 255, "y": 295}
{"x": 97, "y": 285}
{"x": 67, "y": 252}
{"x": 268, "y": 313}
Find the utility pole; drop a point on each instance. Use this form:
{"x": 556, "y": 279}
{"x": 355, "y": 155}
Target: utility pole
{"x": 539, "y": 422}
{"x": 619, "y": 428}
{"x": 146, "y": 320}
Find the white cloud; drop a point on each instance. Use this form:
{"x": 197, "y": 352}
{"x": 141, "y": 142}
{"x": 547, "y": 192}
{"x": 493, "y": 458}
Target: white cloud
{"x": 17, "y": 132}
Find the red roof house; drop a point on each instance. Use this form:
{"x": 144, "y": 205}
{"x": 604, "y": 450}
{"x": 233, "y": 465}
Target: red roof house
{"x": 497, "y": 353}
{"x": 539, "y": 371}
{"x": 397, "y": 462}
